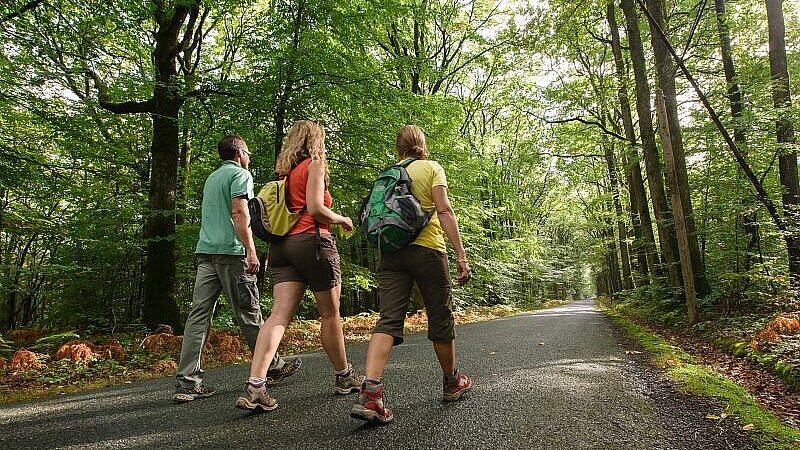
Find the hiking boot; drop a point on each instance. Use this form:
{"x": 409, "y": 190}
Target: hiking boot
{"x": 454, "y": 386}
{"x": 348, "y": 383}
{"x": 256, "y": 398}
{"x": 370, "y": 405}
{"x": 275, "y": 376}
{"x": 184, "y": 394}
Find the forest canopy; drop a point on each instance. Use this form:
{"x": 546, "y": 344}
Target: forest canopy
{"x": 607, "y": 147}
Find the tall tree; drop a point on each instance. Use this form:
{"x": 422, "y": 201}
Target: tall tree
{"x": 644, "y": 243}
{"x": 177, "y": 30}
{"x": 622, "y": 232}
{"x": 655, "y": 177}
{"x": 787, "y": 155}
{"x": 665, "y": 71}
{"x": 748, "y": 220}
{"x": 681, "y": 224}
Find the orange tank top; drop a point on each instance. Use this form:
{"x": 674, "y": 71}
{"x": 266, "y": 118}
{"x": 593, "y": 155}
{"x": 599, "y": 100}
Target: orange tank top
{"x": 296, "y": 182}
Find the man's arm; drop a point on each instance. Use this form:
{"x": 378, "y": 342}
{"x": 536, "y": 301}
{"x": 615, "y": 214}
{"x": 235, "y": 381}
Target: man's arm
{"x": 241, "y": 222}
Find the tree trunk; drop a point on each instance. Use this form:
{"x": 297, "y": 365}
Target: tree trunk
{"x": 159, "y": 306}
{"x": 748, "y": 220}
{"x": 787, "y": 156}
{"x": 665, "y": 71}
{"x": 680, "y": 222}
{"x": 655, "y": 178}
{"x": 288, "y": 85}
{"x": 622, "y": 231}
{"x": 644, "y": 242}
{"x": 183, "y": 177}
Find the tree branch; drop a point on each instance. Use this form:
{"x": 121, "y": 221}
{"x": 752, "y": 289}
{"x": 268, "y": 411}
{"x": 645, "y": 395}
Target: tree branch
{"x": 589, "y": 122}
{"x": 29, "y": 6}
{"x": 104, "y": 100}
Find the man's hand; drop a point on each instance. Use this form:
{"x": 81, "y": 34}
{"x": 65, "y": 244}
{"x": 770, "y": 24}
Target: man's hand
{"x": 463, "y": 274}
{"x": 252, "y": 263}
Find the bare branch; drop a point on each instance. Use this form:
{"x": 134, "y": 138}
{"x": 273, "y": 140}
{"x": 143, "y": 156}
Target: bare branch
{"x": 589, "y": 122}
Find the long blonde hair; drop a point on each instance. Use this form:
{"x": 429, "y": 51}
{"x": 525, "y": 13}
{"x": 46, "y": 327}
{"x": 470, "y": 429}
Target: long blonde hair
{"x": 410, "y": 143}
{"x": 305, "y": 139}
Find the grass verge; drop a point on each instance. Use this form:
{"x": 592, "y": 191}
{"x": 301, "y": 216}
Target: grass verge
{"x": 694, "y": 379}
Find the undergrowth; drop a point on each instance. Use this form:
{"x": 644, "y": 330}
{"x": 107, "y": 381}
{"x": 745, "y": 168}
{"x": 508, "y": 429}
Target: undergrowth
{"x": 692, "y": 378}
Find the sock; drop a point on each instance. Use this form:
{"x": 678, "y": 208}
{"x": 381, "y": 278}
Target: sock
{"x": 345, "y": 372}
{"x": 371, "y": 381}
{"x": 256, "y": 382}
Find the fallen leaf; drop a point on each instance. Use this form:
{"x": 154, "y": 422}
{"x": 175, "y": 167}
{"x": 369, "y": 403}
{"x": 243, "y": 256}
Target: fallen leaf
{"x": 492, "y": 353}
{"x": 724, "y": 415}
{"x": 541, "y": 343}
{"x": 748, "y": 427}
{"x": 712, "y": 417}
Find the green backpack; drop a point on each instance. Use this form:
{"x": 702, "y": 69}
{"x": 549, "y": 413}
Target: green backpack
{"x": 391, "y": 216}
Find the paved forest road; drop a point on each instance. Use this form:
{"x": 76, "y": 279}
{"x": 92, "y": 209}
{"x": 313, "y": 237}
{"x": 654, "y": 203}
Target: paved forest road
{"x": 556, "y": 379}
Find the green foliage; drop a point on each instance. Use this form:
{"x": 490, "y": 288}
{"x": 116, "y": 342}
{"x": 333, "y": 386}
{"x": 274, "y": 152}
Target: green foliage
{"x": 54, "y": 341}
{"x": 696, "y": 380}
{"x": 495, "y": 85}
{"x": 6, "y": 350}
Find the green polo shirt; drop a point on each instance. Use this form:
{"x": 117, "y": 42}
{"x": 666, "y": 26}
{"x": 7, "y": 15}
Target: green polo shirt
{"x": 217, "y": 233}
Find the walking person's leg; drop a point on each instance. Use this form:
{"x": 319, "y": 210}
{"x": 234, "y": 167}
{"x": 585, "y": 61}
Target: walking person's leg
{"x": 433, "y": 278}
{"x": 206, "y": 293}
{"x": 286, "y": 298}
{"x": 394, "y": 294}
{"x": 332, "y": 336}
{"x": 242, "y": 290}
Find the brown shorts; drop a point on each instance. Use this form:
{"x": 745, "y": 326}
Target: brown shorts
{"x": 397, "y": 274}
{"x": 296, "y": 259}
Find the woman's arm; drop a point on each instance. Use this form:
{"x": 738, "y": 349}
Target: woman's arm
{"x": 315, "y": 197}
{"x": 449, "y": 222}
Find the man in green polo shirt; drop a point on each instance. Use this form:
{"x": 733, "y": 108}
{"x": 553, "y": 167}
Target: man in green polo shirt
{"x": 226, "y": 262}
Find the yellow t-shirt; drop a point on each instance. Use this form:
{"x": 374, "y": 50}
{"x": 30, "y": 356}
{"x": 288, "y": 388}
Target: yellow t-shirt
{"x": 425, "y": 174}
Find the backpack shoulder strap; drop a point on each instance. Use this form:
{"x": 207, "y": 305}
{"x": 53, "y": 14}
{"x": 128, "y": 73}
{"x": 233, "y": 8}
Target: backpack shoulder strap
{"x": 406, "y": 163}
{"x": 286, "y": 193}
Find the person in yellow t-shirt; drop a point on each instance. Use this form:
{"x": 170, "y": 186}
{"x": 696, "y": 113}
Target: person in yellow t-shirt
{"x": 423, "y": 262}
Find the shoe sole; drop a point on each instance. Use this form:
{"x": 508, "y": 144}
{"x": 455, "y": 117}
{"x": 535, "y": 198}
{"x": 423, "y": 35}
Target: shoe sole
{"x": 361, "y": 413}
{"x": 247, "y": 405}
{"x": 185, "y": 398}
{"x": 456, "y": 395}
{"x": 274, "y": 381}
{"x": 345, "y": 391}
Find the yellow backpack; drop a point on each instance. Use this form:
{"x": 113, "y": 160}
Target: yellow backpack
{"x": 270, "y": 218}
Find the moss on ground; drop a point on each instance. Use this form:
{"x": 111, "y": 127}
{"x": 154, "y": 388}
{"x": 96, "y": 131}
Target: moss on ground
{"x": 681, "y": 368}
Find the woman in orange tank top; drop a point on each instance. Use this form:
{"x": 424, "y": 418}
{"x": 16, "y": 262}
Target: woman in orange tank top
{"x": 306, "y": 258}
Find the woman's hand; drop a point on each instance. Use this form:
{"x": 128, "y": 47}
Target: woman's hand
{"x": 346, "y": 223}
{"x": 463, "y": 272}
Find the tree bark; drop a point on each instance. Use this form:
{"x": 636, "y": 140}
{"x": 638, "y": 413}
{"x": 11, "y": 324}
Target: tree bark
{"x": 622, "y": 232}
{"x": 665, "y": 72}
{"x": 748, "y": 220}
{"x": 655, "y": 177}
{"x": 159, "y": 305}
{"x": 787, "y": 155}
{"x": 680, "y": 222}
{"x": 644, "y": 242}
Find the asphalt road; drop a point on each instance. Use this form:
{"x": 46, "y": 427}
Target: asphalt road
{"x": 556, "y": 379}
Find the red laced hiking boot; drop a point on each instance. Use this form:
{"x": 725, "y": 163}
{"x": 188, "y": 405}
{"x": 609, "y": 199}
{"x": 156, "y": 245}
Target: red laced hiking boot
{"x": 454, "y": 386}
{"x": 370, "y": 405}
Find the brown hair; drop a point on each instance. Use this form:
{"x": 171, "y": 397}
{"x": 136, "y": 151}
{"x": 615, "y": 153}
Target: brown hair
{"x": 410, "y": 143}
{"x": 229, "y": 146}
{"x": 305, "y": 139}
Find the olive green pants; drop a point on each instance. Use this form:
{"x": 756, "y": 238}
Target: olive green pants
{"x": 217, "y": 274}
